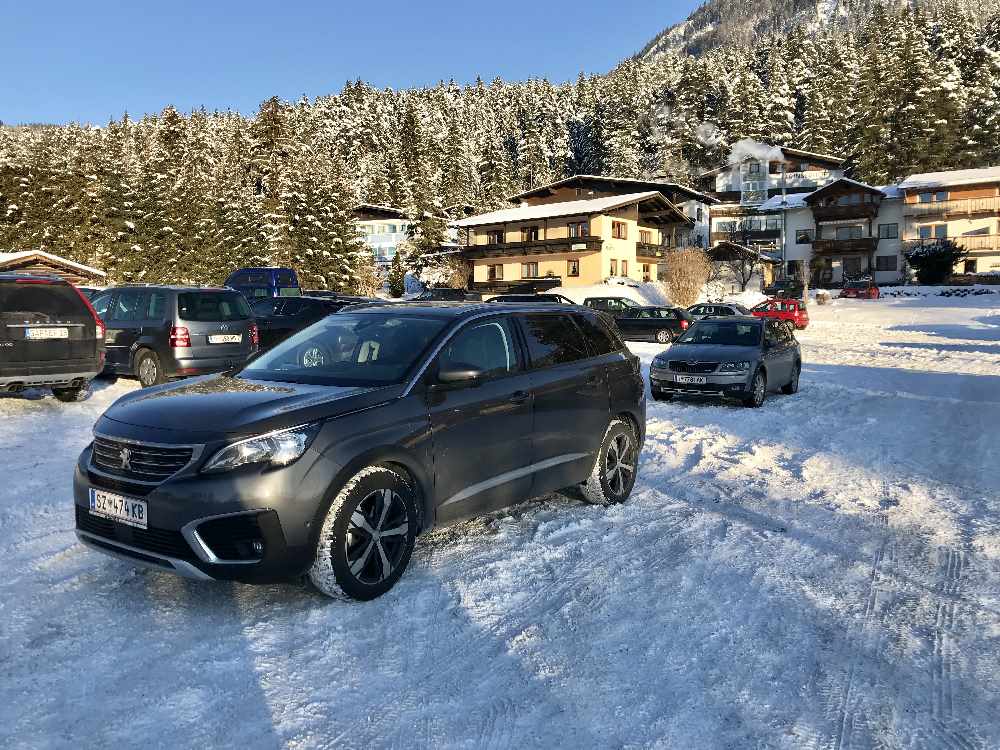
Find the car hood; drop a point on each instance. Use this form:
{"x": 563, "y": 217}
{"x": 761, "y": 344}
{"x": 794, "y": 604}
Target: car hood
{"x": 712, "y": 353}
{"x": 222, "y": 407}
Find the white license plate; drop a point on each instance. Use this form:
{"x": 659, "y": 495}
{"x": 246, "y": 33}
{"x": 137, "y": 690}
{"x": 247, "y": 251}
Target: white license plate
{"x": 119, "y": 508}
{"x": 225, "y": 338}
{"x": 692, "y": 379}
{"x": 46, "y": 333}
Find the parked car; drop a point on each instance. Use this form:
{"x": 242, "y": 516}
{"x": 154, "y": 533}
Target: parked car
{"x": 50, "y": 336}
{"x": 328, "y": 454}
{"x": 716, "y": 309}
{"x": 447, "y": 294}
{"x": 532, "y": 298}
{"x": 253, "y": 283}
{"x": 860, "y": 289}
{"x": 785, "y": 289}
{"x": 614, "y": 306}
{"x": 279, "y": 317}
{"x": 348, "y": 299}
{"x": 740, "y": 357}
{"x": 155, "y": 333}
{"x": 659, "y": 324}
{"x": 792, "y": 311}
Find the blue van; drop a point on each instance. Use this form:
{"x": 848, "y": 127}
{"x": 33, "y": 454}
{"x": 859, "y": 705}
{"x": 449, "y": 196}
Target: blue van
{"x": 255, "y": 283}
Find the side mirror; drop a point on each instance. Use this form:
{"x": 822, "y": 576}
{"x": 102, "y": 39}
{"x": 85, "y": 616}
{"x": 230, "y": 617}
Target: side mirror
{"x": 459, "y": 375}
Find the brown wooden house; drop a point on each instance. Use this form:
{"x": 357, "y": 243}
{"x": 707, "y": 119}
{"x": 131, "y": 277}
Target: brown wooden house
{"x": 42, "y": 262}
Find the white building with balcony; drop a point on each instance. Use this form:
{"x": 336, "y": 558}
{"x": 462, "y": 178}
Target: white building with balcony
{"x": 382, "y": 228}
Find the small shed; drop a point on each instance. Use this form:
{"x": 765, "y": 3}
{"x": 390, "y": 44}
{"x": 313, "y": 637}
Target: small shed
{"x": 42, "y": 262}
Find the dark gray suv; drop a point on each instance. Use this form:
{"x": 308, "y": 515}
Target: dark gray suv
{"x": 155, "y": 333}
{"x": 328, "y": 454}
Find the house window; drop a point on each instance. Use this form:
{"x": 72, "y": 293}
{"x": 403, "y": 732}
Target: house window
{"x": 941, "y": 195}
{"x": 933, "y": 231}
{"x": 619, "y": 230}
{"x": 494, "y": 237}
{"x": 852, "y": 232}
{"x": 888, "y": 232}
{"x": 772, "y": 224}
{"x": 529, "y": 270}
{"x": 578, "y": 229}
{"x": 646, "y": 236}
{"x": 701, "y": 214}
{"x": 940, "y": 231}
{"x": 494, "y": 272}
{"x": 925, "y": 197}
{"x": 645, "y": 272}
{"x": 885, "y": 262}
{"x": 753, "y": 167}
{"x": 970, "y": 266}
{"x": 624, "y": 268}
{"x": 572, "y": 268}
{"x": 614, "y": 267}
{"x": 529, "y": 234}
{"x": 804, "y": 236}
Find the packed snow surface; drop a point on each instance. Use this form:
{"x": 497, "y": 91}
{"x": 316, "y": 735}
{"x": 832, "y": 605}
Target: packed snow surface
{"x": 823, "y": 572}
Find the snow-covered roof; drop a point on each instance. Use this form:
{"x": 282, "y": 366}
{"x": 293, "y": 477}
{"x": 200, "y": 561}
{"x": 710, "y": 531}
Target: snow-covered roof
{"x": 695, "y": 194}
{"x": 564, "y": 208}
{"x": 8, "y": 257}
{"x": 779, "y": 202}
{"x": 952, "y": 177}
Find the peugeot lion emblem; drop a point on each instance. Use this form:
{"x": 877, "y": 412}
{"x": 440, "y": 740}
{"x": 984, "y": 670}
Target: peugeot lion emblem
{"x": 126, "y": 456}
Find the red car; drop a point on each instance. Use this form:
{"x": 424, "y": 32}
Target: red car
{"x": 790, "y": 310}
{"x": 862, "y": 289}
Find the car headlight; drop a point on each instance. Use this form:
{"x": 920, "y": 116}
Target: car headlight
{"x": 734, "y": 366}
{"x": 660, "y": 362}
{"x": 278, "y": 448}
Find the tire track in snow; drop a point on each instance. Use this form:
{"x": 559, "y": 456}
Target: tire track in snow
{"x": 866, "y": 638}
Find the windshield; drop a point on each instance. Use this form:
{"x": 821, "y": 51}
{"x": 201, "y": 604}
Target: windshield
{"x": 723, "y": 333}
{"x": 212, "y": 306}
{"x": 349, "y": 349}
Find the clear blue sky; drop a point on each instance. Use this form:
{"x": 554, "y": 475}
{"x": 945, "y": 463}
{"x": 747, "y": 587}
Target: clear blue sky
{"x": 91, "y": 60}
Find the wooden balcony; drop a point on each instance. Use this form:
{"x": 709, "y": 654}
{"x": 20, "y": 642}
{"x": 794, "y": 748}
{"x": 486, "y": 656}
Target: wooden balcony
{"x": 534, "y": 247}
{"x": 752, "y": 235}
{"x": 863, "y": 246}
{"x": 652, "y": 250}
{"x": 976, "y": 244}
{"x": 858, "y": 211}
{"x": 517, "y": 286}
{"x": 954, "y": 208}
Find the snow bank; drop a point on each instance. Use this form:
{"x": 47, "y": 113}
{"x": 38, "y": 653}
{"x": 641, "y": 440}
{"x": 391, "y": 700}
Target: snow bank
{"x": 647, "y": 293}
{"x": 937, "y": 291}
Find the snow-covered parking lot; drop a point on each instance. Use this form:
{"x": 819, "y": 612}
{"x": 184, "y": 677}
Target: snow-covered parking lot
{"x": 822, "y": 572}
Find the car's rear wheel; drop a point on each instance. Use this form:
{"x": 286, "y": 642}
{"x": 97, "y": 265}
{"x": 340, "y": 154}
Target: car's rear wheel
{"x": 793, "y": 384}
{"x": 664, "y": 336}
{"x": 148, "y": 369}
{"x": 613, "y": 476}
{"x": 758, "y": 390}
{"x": 367, "y": 536}
{"x": 70, "y": 395}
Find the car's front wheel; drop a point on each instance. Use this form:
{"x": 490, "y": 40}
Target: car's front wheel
{"x": 664, "y": 336}
{"x": 613, "y": 476}
{"x": 758, "y": 390}
{"x": 367, "y": 536}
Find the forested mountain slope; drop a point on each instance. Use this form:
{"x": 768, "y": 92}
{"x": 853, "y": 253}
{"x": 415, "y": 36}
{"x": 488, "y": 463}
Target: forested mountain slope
{"x": 190, "y": 196}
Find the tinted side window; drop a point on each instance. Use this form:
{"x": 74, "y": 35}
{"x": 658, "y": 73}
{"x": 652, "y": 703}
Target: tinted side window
{"x": 101, "y": 303}
{"x": 486, "y": 345}
{"x": 130, "y": 305}
{"x": 553, "y": 340}
{"x": 157, "y": 308}
{"x": 600, "y": 340}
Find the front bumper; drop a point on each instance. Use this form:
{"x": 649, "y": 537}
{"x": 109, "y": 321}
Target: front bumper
{"x": 207, "y": 525}
{"x": 735, "y": 385}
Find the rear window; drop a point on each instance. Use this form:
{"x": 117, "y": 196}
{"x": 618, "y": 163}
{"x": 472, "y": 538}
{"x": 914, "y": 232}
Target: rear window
{"x": 601, "y": 341}
{"x": 553, "y": 340}
{"x": 285, "y": 278}
{"x": 212, "y": 306}
{"x": 41, "y": 303}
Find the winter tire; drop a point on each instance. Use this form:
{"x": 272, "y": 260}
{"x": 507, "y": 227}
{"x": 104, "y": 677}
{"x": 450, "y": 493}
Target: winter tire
{"x": 664, "y": 337}
{"x": 758, "y": 390}
{"x": 367, "y": 536}
{"x": 69, "y": 395}
{"x": 613, "y": 476}
{"x": 793, "y": 384}
{"x": 148, "y": 369}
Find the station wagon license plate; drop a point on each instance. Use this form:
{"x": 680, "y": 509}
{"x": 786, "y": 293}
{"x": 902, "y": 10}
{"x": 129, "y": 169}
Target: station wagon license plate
{"x": 46, "y": 333}
{"x": 119, "y": 508}
{"x": 225, "y": 338}
{"x": 692, "y": 379}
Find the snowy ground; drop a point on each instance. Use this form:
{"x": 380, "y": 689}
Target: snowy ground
{"x": 821, "y": 573}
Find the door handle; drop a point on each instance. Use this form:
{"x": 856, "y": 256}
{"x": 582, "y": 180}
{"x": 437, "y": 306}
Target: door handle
{"x": 519, "y": 397}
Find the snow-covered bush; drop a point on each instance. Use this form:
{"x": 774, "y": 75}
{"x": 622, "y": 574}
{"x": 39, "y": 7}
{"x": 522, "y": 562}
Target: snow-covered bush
{"x": 934, "y": 261}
